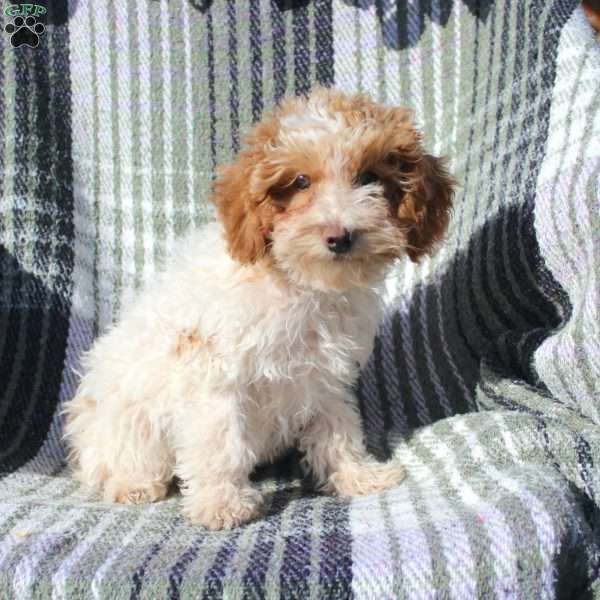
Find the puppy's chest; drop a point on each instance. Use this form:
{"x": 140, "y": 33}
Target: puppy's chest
{"x": 325, "y": 341}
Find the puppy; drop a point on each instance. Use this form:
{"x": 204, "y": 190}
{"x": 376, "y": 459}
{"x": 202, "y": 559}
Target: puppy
{"x": 251, "y": 340}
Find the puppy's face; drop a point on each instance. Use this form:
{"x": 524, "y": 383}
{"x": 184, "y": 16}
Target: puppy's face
{"x": 331, "y": 190}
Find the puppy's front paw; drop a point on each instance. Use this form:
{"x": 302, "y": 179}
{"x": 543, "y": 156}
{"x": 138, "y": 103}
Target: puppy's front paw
{"x": 222, "y": 507}
{"x": 363, "y": 479}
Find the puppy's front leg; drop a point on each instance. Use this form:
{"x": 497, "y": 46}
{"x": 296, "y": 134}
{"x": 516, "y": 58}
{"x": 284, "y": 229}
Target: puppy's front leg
{"x": 214, "y": 462}
{"x": 336, "y": 454}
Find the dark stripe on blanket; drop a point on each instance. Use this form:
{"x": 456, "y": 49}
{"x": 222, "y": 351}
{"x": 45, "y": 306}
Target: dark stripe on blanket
{"x": 359, "y": 393}
{"x": 382, "y": 395}
{"x": 295, "y": 573}
{"x": 335, "y": 568}
{"x": 234, "y": 99}
{"x": 421, "y": 340}
{"x": 542, "y": 428}
{"x": 585, "y": 461}
{"x": 441, "y": 328}
{"x": 549, "y": 294}
{"x": 298, "y": 550}
{"x": 14, "y": 280}
{"x": 181, "y": 566}
{"x": 402, "y": 25}
{"x": 301, "y": 49}
{"x": 20, "y": 418}
{"x": 523, "y": 351}
{"x": 406, "y": 393}
{"x": 253, "y": 582}
{"x": 465, "y": 364}
{"x": 256, "y": 70}
{"x": 323, "y": 25}
{"x": 279, "y": 53}
{"x": 210, "y": 43}
{"x": 137, "y": 579}
{"x": 370, "y": 408}
{"x": 95, "y": 191}
{"x": 213, "y": 581}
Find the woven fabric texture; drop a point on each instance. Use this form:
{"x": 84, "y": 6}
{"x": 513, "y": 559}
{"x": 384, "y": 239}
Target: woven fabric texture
{"x": 485, "y": 377}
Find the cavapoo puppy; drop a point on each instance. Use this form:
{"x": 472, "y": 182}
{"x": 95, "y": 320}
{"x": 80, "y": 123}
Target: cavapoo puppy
{"x": 252, "y": 338}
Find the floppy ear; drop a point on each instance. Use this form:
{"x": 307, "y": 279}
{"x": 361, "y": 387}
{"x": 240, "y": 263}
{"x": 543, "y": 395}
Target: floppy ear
{"x": 240, "y": 195}
{"x": 426, "y": 206}
{"x": 240, "y": 212}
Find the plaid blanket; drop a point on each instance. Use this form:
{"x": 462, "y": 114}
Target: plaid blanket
{"x": 485, "y": 377}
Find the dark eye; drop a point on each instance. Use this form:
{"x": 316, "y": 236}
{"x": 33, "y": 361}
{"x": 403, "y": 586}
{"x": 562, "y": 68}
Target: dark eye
{"x": 367, "y": 178}
{"x": 302, "y": 182}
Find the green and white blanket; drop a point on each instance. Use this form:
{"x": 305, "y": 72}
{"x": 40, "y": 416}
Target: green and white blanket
{"x": 485, "y": 378}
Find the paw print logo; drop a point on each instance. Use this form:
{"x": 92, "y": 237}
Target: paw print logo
{"x": 25, "y": 32}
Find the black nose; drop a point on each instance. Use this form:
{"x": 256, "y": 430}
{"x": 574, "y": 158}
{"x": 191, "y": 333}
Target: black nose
{"x": 340, "y": 244}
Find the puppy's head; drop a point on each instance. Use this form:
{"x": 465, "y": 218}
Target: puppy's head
{"x": 331, "y": 189}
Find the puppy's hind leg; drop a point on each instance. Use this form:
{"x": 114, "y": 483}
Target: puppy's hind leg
{"x": 143, "y": 470}
{"x": 121, "y": 453}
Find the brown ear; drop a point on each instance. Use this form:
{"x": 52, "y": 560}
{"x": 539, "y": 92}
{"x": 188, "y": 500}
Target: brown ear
{"x": 425, "y": 209}
{"x": 240, "y": 195}
{"x": 240, "y": 212}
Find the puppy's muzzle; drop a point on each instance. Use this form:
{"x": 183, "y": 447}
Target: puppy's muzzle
{"x": 338, "y": 240}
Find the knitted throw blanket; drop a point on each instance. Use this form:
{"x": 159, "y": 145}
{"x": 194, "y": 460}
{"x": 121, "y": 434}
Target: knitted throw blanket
{"x": 485, "y": 378}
